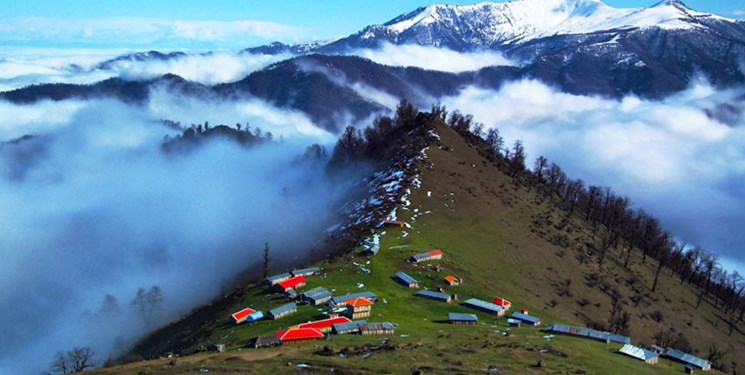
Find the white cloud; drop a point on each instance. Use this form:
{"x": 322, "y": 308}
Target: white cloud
{"x": 738, "y": 12}
{"x": 147, "y": 32}
{"x": 433, "y": 58}
{"x": 20, "y": 67}
{"x": 41, "y": 117}
{"x": 669, "y": 157}
{"x": 93, "y": 207}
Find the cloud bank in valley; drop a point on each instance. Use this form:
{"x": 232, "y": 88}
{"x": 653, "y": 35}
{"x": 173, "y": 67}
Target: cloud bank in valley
{"x": 433, "y": 58}
{"x": 20, "y": 67}
{"x": 91, "y": 207}
{"x": 670, "y": 157}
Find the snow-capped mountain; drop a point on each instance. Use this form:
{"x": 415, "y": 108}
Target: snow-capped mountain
{"x": 500, "y": 25}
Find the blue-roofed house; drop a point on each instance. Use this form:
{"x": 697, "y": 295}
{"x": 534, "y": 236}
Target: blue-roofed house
{"x": 276, "y": 279}
{"x": 437, "y": 296}
{"x": 688, "y": 359}
{"x": 589, "y": 333}
{"x": 345, "y": 328}
{"x": 484, "y": 306}
{"x": 640, "y": 354}
{"x": 527, "y": 319}
{"x": 316, "y": 296}
{"x": 282, "y": 311}
{"x": 406, "y": 280}
{"x": 255, "y": 317}
{"x": 307, "y": 271}
{"x": 458, "y": 318}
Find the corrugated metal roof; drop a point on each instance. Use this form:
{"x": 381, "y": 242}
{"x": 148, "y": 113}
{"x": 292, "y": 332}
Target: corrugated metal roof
{"x": 280, "y": 276}
{"x": 300, "y": 334}
{"x": 406, "y": 278}
{"x": 463, "y": 317}
{"x": 588, "y": 332}
{"x": 243, "y": 314}
{"x": 433, "y": 295}
{"x": 283, "y": 309}
{"x": 306, "y": 271}
{"x": 315, "y": 292}
{"x": 351, "y": 326}
{"x": 342, "y": 299}
{"x": 292, "y": 282}
{"x": 325, "y": 323}
{"x": 637, "y": 352}
{"x": 686, "y": 358}
{"x": 526, "y": 318}
{"x": 483, "y": 305}
{"x": 378, "y": 326}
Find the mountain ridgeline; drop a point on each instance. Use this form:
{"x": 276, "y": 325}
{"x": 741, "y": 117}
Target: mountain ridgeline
{"x": 524, "y": 230}
{"x": 579, "y": 46}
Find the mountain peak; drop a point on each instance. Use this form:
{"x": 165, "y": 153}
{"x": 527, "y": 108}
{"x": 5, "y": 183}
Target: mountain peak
{"x": 677, "y": 4}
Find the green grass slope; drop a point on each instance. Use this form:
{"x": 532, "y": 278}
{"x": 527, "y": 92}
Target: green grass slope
{"x": 502, "y": 239}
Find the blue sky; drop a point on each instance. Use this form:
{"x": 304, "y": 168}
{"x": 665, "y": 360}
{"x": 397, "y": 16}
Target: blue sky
{"x": 230, "y": 24}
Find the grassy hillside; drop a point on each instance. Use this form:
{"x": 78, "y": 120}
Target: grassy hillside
{"x": 502, "y": 239}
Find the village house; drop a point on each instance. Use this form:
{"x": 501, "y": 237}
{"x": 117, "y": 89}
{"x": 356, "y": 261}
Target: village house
{"x": 291, "y": 283}
{"x": 424, "y": 257}
{"x": 316, "y": 296}
{"x": 502, "y": 302}
{"x": 689, "y": 360}
{"x": 307, "y": 271}
{"x": 347, "y": 328}
{"x": 640, "y": 354}
{"x": 484, "y": 306}
{"x": 299, "y": 335}
{"x": 265, "y": 342}
{"x": 406, "y": 280}
{"x": 341, "y": 300}
{"x": 527, "y": 319}
{"x": 359, "y": 307}
{"x": 437, "y": 296}
{"x": 273, "y": 280}
{"x": 589, "y": 333}
{"x": 241, "y": 316}
{"x": 282, "y": 311}
{"x": 325, "y": 325}
{"x": 452, "y": 280}
{"x": 377, "y": 329}
{"x": 255, "y": 317}
{"x": 457, "y": 318}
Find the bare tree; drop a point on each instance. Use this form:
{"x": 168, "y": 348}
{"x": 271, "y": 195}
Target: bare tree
{"x": 266, "y": 259}
{"x": 148, "y": 303}
{"x": 75, "y": 360}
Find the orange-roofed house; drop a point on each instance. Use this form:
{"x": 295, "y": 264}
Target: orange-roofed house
{"x": 359, "y": 308}
{"x": 291, "y": 283}
{"x": 325, "y": 325}
{"x": 299, "y": 335}
{"x": 503, "y": 302}
{"x": 242, "y": 315}
{"x": 452, "y": 280}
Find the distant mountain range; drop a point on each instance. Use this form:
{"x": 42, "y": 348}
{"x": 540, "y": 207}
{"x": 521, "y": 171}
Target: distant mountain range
{"x": 581, "y": 46}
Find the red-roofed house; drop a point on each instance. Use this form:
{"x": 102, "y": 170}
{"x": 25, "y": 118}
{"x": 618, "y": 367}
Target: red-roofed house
{"x": 324, "y": 326}
{"x": 242, "y": 315}
{"x": 291, "y": 283}
{"x": 299, "y": 335}
{"x": 423, "y": 257}
{"x": 502, "y": 302}
{"x": 359, "y": 308}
